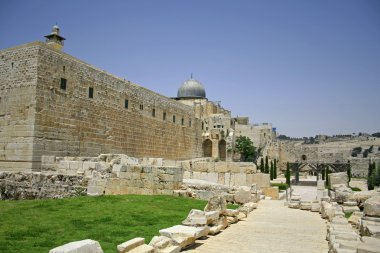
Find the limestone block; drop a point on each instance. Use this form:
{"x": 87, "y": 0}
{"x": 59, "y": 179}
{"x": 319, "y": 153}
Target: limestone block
{"x": 142, "y": 249}
{"x": 320, "y": 184}
{"x": 305, "y": 205}
{"x": 84, "y": 246}
{"x": 216, "y": 203}
{"x": 362, "y": 196}
{"x": 241, "y": 216}
{"x": 215, "y": 229}
{"x": 183, "y": 241}
{"x": 232, "y": 220}
{"x": 222, "y": 221}
{"x": 200, "y": 218}
{"x": 342, "y": 193}
{"x": 338, "y": 178}
{"x": 243, "y": 195}
{"x": 231, "y": 212}
{"x": 315, "y": 206}
{"x": 350, "y": 209}
{"x": 355, "y": 218}
{"x": 294, "y": 205}
{"x": 129, "y": 245}
{"x": 262, "y": 180}
{"x": 160, "y": 242}
{"x": 89, "y": 165}
{"x": 272, "y": 192}
{"x": 250, "y": 206}
{"x": 295, "y": 198}
{"x": 184, "y": 231}
{"x": 369, "y": 245}
{"x": 372, "y": 206}
{"x": 171, "y": 249}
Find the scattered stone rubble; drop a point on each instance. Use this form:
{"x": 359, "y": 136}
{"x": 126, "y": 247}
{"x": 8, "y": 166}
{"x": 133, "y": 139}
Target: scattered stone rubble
{"x": 199, "y": 224}
{"x": 361, "y": 232}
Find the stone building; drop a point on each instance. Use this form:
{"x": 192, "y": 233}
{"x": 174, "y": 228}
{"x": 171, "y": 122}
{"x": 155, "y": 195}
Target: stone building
{"x": 54, "y": 104}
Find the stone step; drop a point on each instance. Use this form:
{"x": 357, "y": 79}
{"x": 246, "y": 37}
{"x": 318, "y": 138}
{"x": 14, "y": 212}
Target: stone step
{"x": 142, "y": 249}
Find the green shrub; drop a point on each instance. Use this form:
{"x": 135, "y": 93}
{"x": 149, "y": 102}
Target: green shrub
{"x": 281, "y": 186}
{"x": 355, "y": 189}
{"x": 348, "y": 215}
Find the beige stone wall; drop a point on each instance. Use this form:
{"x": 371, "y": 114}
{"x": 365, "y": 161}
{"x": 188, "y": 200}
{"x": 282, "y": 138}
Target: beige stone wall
{"x": 18, "y": 79}
{"x": 225, "y": 173}
{"x": 38, "y": 118}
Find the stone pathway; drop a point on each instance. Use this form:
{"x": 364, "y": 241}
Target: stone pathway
{"x": 272, "y": 228}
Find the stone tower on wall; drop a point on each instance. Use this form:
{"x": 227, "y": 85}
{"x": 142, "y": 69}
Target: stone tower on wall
{"x": 55, "y": 40}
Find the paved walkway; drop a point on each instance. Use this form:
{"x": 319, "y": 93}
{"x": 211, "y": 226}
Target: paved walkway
{"x": 272, "y": 228}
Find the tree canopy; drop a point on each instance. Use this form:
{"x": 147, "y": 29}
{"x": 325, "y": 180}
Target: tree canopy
{"x": 244, "y": 146}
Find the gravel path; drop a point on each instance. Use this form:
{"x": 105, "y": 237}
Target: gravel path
{"x": 272, "y": 228}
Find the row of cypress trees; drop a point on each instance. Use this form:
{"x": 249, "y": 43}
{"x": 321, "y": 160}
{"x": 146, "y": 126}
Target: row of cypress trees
{"x": 267, "y": 168}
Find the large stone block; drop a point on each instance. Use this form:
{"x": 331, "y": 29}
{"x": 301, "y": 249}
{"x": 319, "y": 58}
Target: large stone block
{"x": 184, "y": 231}
{"x": 84, "y": 246}
{"x": 262, "y": 180}
{"x": 216, "y": 203}
{"x": 272, "y": 192}
{"x": 372, "y": 206}
{"x": 338, "y": 178}
{"x": 129, "y": 245}
{"x": 243, "y": 195}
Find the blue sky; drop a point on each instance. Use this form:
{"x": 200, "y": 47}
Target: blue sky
{"x": 309, "y": 67}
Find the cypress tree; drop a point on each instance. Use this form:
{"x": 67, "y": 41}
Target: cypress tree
{"x": 370, "y": 177}
{"x": 327, "y": 176}
{"x": 323, "y": 173}
{"x": 262, "y": 165}
{"x": 266, "y": 165}
{"x": 271, "y": 170}
{"x": 297, "y": 176}
{"x": 349, "y": 172}
{"x": 275, "y": 169}
{"x": 287, "y": 173}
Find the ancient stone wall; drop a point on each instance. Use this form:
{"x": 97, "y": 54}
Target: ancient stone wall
{"x": 37, "y": 185}
{"x": 225, "y": 173}
{"x": 46, "y": 109}
{"x": 18, "y": 80}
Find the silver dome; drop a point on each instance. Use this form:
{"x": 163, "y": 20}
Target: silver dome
{"x": 191, "y": 89}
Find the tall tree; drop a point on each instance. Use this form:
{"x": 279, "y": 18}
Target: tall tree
{"x": 287, "y": 173}
{"x": 262, "y": 165}
{"x": 271, "y": 170}
{"x": 371, "y": 176}
{"x": 349, "y": 172}
{"x": 275, "y": 169}
{"x": 266, "y": 165}
{"x": 244, "y": 146}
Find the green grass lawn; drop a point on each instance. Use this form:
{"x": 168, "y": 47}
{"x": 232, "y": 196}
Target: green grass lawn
{"x": 40, "y": 225}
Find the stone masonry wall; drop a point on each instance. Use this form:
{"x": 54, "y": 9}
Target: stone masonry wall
{"x": 18, "y": 80}
{"x": 225, "y": 173}
{"x": 38, "y": 117}
{"x": 117, "y": 174}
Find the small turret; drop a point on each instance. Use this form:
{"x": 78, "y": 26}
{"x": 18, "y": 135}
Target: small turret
{"x": 54, "y": 39}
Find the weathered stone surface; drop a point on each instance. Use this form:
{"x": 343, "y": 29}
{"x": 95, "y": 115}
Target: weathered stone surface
{"x": 215, "y": 229}
{"x": 170, "y": 249}
{"x": 216, "y": 203}
{"x": 142, "y": 249}
{"x": 355, "y": 219}
{"x": 342, "y": 193}
{"x": 350, "y": 209}
{"x": 372, "y": 206}
{"x": 262, "y": 180}
{"x": 362, "y": 196}
{"x": 315, "y": 206}
{"x": 369, "y": 245}
{"x": 84, "y": 246}
{"x": 305, "y": 205}
{"x": 184, "y": 231}
{"x": 160, "y": 242}
{"x": 201, "y": 218}
{"x": 250, "y": 206}
{"x": 231, "y": 212}
{"x": 183, "y": 241}
{"x": 232, "y": 220}
{"x": 241, "y": 216}
{"x": 129, "y": 245}
{"x": 243, "y": 195}
{"x": 294, "y": 204}
{"x": 338, "y": 178}
{"x": 272, "y": 192}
